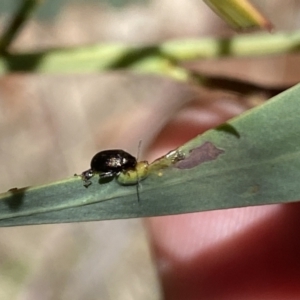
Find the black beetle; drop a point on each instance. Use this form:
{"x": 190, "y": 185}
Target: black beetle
{"x": 109, "y": 163}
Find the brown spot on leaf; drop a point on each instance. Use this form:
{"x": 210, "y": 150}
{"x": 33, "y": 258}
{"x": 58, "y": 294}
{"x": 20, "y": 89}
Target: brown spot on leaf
{"x": 15, "y": 201}
{"x": 254, "y": 189}
{"x": 206, "y": 152}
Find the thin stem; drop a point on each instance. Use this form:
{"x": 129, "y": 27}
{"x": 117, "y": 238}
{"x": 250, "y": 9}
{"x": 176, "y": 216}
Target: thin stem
{"x": 161, "y": 59}
{"x": 27, "y": 7}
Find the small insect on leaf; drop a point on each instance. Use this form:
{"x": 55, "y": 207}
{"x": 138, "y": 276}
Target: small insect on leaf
{"x": 116, "y": 163}
{"x": 134, "y": 176}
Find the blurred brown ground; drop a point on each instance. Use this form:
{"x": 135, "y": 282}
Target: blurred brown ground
{"x": 51, "y": 125}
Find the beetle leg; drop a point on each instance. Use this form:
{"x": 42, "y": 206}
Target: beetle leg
{"x": 106, "y": 174}
{"x": 86, "y": 176}
{"x": 87, "y": 183}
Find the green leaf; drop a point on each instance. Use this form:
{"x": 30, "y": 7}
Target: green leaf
{"x": 253, "y": 159}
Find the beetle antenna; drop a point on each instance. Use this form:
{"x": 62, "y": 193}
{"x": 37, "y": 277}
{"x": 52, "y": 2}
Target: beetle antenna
{"x": 137, "y": 172}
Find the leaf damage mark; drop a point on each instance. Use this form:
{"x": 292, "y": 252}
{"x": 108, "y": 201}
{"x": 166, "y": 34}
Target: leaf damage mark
{"x": 15, "y": 201}
{"x": 166, "y": 161}
{"x": 254, "y": 189}
{"x": 206, "y": 152}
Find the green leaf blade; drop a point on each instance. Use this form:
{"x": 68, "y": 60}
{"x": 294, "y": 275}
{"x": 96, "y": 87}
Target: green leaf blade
{"x": 254, "y": 159}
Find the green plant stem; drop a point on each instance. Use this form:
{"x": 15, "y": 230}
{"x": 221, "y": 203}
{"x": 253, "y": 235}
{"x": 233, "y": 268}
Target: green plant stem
{"x": 27, "y": 7}
{"x": 162, "y": 59}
